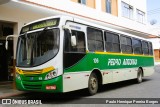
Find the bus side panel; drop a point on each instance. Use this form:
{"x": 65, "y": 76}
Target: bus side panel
{"x": 107, "y": 76}
{"x": 111, "y": 70}
{"x": 75, "y": 81}
{"x": 124, "y": 74}
{"x": 130, "y": 73}
{"x": 148, "y": 71}
{"x": 116, "y": 75}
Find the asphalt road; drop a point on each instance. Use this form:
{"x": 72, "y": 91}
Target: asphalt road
{"x": 149, "y": 88}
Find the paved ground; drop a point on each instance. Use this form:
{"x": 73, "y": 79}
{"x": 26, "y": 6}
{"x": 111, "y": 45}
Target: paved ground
{"x": 6, "y": 90}
{"x": 149, "y": 88}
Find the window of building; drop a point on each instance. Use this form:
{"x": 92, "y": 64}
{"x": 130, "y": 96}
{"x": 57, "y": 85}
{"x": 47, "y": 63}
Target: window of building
{"x": 145, "y": 48}
{"x": 137, "y": 46}
{"x": 108, "y": 6}
{"x": 112, "y": 42}
{"x": 82, "y": 1}
{"x": 140, "y": 16}
{"x": 95, "y": 39}
{"x": 150, "y": 48}
{"x": 126, "y": 44}
{"x": 127, "y": 10}
{"x": 80, "y": 38}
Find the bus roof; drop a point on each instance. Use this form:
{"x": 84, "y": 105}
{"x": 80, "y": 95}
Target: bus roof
{"x": 107, "y": 28}
{"x": 51, "y": 17}
{"x": 91, "y": 24}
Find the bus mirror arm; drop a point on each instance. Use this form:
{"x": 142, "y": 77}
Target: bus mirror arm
{"x": 6, "y": 45}
{"x": 73, "y": 37}
{"x": 67, "y": 28}
{"x": 9, "y": 36}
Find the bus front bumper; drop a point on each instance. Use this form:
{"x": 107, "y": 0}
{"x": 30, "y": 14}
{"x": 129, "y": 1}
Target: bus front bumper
{"x": 54, "y": 85}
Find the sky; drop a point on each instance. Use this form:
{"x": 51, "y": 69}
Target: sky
{"x": 153, "y": 10}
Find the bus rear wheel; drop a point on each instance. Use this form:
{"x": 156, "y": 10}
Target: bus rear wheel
{"x": 93, "y": 84}
{"x": 139, "y": 75}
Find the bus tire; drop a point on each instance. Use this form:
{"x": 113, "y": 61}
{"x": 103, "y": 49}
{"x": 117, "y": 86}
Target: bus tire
{"x": 93, "y": 84}
{"x": 139, "y": 75}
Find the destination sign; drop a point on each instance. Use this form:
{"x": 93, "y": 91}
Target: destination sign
{"x": 41, "y": 24}
{"x": 25, "y": 29}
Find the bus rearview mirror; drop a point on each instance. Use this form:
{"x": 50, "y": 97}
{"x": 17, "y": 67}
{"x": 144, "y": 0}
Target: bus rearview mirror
{"x": 6, "y": 45}
{"x": 73, "y": 40}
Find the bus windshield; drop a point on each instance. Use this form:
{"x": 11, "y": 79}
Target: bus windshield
{"x": 37, "y": 48}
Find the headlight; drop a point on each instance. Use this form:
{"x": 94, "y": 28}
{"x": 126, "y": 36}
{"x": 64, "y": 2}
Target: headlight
{"x": 18, "y": 76}
{"x": 51, "y": 74}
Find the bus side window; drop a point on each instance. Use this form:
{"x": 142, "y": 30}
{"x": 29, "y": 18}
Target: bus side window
{"x": 126, "y": 44}
{"x": 137, "y": 46}
{"x": 150, "y": 49}
{"x": 95, "y": 40}
{"x": 80, "y": 39}
{"x": 112, "y": 42}
{"x": 145, "y": 48}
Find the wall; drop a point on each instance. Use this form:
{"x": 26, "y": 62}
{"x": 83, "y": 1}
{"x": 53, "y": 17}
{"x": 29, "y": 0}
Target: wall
{"x": 77, "y": 10}
{"x": 156, "y": 47}
{"x": 114, "y": 7}
{"x": 137, "y": 4}
{"x": 157, "y": 54}
{"x": 89, "y": 3}
{"x": 18, "y": 17}
{"x": 155, "y": 42}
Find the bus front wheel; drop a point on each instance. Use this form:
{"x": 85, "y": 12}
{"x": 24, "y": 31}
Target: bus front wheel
{"x": 139, "y": 75}
{"x": 93, "y": 84}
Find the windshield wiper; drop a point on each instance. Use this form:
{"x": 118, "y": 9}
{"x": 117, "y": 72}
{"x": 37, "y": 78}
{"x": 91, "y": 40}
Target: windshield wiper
{"x": 43, "y": 31}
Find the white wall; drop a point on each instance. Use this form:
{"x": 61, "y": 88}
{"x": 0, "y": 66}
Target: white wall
{"x": 75, "y": 9}
{"x": 137, "y": 4}
{"x": 155, "y": 42}
{"x": 98, "y": 5}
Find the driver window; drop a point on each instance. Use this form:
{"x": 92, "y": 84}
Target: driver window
{"x": 80, "y": 39}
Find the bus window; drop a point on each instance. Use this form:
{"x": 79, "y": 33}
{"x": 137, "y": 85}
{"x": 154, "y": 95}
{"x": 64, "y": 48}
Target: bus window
{"x": 150, "y": 49}
{"x": 145, "y": 48}
{"x": 80, "y": 38}
{"x": 137, "y": 46}
{"x": 95, "y": 39}
{"x": 126, "y": 44}
{"x": 112, "y": 42}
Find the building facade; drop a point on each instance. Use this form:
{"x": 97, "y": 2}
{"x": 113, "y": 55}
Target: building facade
{"x": 156, "y": 42}
{"x": 125, "y": 15}
{"x": 156, "y": 47}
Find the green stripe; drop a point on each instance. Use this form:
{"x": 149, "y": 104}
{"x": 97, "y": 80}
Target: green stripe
{"x": 89, "y": 62}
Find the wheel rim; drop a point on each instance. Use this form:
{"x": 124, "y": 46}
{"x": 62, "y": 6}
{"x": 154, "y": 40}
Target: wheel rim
{"x": 93, "y": 83}
{"x": 140, "y": 77}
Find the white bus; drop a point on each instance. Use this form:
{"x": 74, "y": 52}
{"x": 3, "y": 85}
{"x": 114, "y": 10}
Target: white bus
{"x": 62, "y": 54}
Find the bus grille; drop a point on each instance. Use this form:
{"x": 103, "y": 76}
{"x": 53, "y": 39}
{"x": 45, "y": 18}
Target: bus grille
{"x": 32, "y": 86}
